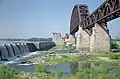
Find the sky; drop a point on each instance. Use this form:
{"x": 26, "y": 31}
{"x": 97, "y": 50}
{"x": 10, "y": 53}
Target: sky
{"x": 40, "y": 18}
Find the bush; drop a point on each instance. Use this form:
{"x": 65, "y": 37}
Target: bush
{"x": 40, "y": 68}
{"x": 114, "y": 55}
{"x": 105, "y": 70}
{"x": 114, "y": 45}
{"x": 8, "y": 73}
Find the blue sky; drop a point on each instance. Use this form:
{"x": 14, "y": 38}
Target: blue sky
{"x": 39, "y": 18}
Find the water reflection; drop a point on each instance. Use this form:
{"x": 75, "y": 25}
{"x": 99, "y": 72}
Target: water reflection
{"x": 62, "y": 69}
{"x": 113, "y": 73}
{"x": 25, "y": 67}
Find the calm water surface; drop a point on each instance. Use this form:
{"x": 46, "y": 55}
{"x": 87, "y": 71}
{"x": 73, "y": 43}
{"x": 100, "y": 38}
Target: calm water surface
{"x": 11, "y": 42}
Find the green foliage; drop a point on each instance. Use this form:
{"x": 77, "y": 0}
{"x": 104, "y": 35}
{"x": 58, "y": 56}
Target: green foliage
{"x": 114, "y": 55}
{"x": 100, "y": 70}
{"x": 83, "y": 57}
{"x": 88, "y": 68}
{"x": 8, "y": 73}
{"x": 63, "y": 58}
{"x": 41, "y": 75}
{"x": 40, "y": 68}
{"x": 114, "y": 45}
{"x": 68, "y": 47}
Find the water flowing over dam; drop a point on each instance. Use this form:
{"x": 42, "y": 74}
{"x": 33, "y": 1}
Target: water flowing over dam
{"x": 12, "y": 51}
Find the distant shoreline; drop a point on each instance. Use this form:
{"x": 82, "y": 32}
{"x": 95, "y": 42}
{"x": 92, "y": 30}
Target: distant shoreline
{"x": 30, "y": 39}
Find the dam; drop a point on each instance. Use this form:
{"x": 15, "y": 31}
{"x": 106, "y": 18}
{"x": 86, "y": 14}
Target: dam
{"x": 9, "y": 52}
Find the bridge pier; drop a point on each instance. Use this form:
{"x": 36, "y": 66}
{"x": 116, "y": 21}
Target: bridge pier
{"x": 70, "y": 40}
{"x": 58, "y": 39}
{"x": 83, "y": 40}
{"x": 100, "y": 40}
{"x": 93, "y": 35}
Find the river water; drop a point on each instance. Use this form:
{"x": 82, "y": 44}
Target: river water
{"x": 11, "y": 42}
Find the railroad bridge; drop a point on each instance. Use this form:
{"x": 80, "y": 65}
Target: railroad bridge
{"x": 93, "y": 33}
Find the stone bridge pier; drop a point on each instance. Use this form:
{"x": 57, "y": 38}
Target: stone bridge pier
{"x": 83, "y": 40}
{"x": 98, "y": 41}
{"x": 93, "y": 34}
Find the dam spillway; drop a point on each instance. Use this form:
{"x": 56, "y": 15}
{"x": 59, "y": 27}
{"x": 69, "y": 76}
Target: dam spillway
{"x": 9, "y": 52}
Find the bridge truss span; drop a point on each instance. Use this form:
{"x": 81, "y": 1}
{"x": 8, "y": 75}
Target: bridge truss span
{"x": 107, "y": 11}
{"x": 80, "y": 12}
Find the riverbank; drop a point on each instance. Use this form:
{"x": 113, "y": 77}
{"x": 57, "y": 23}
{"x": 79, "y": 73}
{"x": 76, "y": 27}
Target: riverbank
{"x": 67, "y": 63}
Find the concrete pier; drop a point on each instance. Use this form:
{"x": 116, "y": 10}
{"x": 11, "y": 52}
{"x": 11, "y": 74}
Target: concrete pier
{"x": 83, "y": 40}
{"x": 98, "y": 41}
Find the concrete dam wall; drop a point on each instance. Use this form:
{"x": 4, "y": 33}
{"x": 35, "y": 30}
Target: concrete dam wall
{"x": 12, "y": 51}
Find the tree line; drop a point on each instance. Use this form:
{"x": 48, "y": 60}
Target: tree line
{"x": 30, "y": 39}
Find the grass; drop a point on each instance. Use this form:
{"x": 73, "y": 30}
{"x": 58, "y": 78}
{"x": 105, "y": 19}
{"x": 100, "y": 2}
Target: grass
{"x": 115, "y": 55}
{"x": 64, "y": 47}
{"x": 88, "y": 67}
{"x": 8, "y": 73}
{"x": 100, "y": 70}
{"x": 62, "y": 59}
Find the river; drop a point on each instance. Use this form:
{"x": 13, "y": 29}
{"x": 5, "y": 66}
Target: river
{"x": 11, "y": 42}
